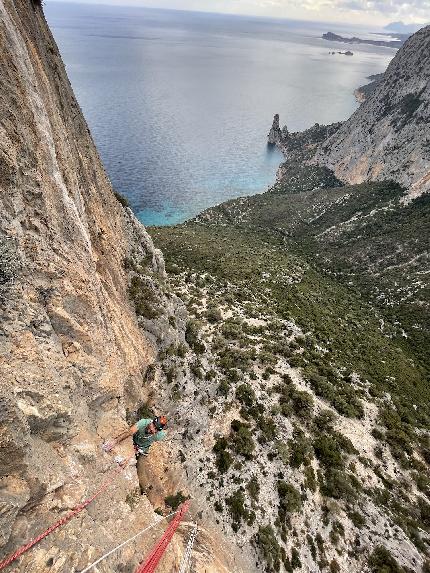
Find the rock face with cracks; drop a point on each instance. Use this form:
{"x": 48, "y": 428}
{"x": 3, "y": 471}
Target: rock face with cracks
{"x": 75, "y": 342}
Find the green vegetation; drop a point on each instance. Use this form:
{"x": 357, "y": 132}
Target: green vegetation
{"x": 269, "y": 548}
{"x": 174, "y": 501}
{"x": 238, "y": 510}
{"x": 123, "y": 200}
{"x": 345, "y": 265}
{"x": 192, "y": 336}
{"x": 223, "y": 458}
{"x": 381, "y": 561}
{"x": 145, "y": 299}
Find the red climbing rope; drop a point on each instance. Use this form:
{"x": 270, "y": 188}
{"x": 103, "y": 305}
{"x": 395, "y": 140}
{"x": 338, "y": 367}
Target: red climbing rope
{"x": 158, "y": 550}
{"x": 8, "y": 560}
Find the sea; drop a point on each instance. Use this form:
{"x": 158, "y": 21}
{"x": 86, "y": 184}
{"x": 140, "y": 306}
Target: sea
{"x": 180, "y": 103}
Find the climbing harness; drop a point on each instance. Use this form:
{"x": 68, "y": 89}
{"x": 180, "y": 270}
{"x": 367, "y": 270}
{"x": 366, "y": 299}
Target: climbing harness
{"x": 106, "y": 555}
{"x": 8, "y": 560}
{"x": 153, "y": 559}
{"x": 186, "y": 560}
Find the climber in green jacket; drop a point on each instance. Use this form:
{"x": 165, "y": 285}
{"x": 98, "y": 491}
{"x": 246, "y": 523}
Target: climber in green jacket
{"x": 145, "y": 432}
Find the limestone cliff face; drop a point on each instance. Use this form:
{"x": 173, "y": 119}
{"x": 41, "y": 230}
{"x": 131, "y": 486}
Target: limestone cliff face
{"x": 388, "y": 136}
{"x": 72, "y": 354}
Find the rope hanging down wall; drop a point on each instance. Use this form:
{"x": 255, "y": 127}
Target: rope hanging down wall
{"x": 8, "y": 560}
{"x": 186, "y": 560}
{"x": 121, "y": 545}
{"x": 153, "y": 559}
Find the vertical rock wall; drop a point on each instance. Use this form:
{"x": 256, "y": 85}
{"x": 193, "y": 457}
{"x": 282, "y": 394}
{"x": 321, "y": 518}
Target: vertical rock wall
{"x": 71, "y": 351}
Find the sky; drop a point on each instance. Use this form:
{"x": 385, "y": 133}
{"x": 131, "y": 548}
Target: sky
{"x": 366, "y": 12}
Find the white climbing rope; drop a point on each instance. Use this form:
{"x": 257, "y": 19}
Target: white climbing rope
{"x": 186, "y": 560}
{"x": 89, "y": 567}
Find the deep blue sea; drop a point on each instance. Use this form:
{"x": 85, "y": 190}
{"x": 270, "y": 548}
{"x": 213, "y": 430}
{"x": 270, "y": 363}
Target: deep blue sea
{"x": 180, "y": 103}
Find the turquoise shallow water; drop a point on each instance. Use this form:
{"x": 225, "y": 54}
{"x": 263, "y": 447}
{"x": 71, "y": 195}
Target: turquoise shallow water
{"x": 180, "y": 103}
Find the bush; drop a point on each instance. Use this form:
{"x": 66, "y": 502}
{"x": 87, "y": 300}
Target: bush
{"x": 144, "y": 298}
{"x": 327, "y": 451}
{"x": 310, "y": 478}
{"x": 381, "y": 561}
{"x": 323, "y": 421}
{"x": 337, "y": 484}
{"x": 253, "y": 488}
{"x": 174, "y": 501}
{"x": 192, "y": 337}
{"x": 268, "y": 429}
{"x": 269, "y": 548}
{"x": 341, "y": 396}
{"x": 237, "y": 509}
{"x": 303, "y": 404}
{"x": 245, "y": 394}
{"x": 295, "y": 559}
{"x": 223, "y": 458}
{"x": 123, "y": 200}
{"x": 213, "y": 314}
{"x": 290, "y": 500}
{"x": 241, "y": 441}
{"x": 300, "y": 449}
{"x": 357, "y": 519}
{"x": 223, "y": 388}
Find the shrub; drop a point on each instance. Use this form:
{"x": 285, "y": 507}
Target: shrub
{"x": 174, "y": 501}
{"x": 237, "y": 509}
{"x": 290, "y": 500}
{"x": 303, "y": 404}
{"x": 241, "y": 439}
{"x": 381, "y": 561}
{"x": 295, "y": 559}
{"x": 223, "y": 388}
{"x": 269, "y": 548}
{"x": 327, "y": 451}
{"x": 357, "y": 519}
{"x": 268, "y": 430}
{"x": 192, "y": 337}
{"x": 337, "y": 484}
{"x": 223, "y": 458}
{"x": 245, "y": 394}
{"x": 341, "y": 396}
{"x": 213, "y": 314}
{"x": 310, "y": 478}
{"x": 324, "y": 421}
{"x": 253, "y": 488}
{"x": 123, "y": 200}
{"x": 300, "y": 449}
{"x": 144, "y": 298}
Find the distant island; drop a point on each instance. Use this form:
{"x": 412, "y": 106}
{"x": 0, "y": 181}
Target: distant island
{"x": 348, "y": 53}
{"x": 386, "y": 43}
{"x": 402, "y": 28}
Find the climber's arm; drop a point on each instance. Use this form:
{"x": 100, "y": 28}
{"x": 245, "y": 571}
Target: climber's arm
{"x": 109, "y": 445}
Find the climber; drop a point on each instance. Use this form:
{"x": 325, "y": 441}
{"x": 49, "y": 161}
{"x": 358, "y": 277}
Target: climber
{"x": 145, "y": 432}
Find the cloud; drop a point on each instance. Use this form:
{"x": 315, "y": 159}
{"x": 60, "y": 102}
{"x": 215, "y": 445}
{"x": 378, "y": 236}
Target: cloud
{"x": 409, "y": 10}
{"x": 418, "y": 10}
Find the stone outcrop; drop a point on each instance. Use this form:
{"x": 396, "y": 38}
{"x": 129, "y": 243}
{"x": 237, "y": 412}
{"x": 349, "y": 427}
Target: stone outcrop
{"x": 388, "y": 136}
{"x": 275, "y": 134}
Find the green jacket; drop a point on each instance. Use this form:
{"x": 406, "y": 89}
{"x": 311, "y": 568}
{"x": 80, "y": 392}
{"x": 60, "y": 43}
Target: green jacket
{"x": 143, "y": 440}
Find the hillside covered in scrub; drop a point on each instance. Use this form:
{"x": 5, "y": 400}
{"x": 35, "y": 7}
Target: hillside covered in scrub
{"x": 313, "y": 372}
{"x": 310, "y": 328}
